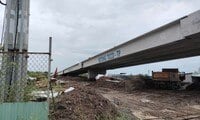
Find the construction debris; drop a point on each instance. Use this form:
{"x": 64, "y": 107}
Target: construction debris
{"x": 69, "y": 89}
{"x": 61, "y": 82}
{"x": 32, "y": 78}
{"x": 53, "y": 94}
{"x": 83, "y": 103}
{"x": 44, "y": 94}
{"x": 99, "y": 76}
{"x": 114, "y": 81}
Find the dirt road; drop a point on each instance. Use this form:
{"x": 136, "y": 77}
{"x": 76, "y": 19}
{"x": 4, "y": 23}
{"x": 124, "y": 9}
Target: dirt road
{"x": 157, "y": 105}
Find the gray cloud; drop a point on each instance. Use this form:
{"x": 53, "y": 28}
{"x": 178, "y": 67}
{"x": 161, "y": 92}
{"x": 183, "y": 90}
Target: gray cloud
{"x": 83, "y": 28}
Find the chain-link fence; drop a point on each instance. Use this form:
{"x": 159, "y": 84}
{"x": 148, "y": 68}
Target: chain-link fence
{"x": 23, "y": 76}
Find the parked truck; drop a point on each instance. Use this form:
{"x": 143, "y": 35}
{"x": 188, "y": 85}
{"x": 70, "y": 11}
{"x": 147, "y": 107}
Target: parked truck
{"x": 168, "y": 78}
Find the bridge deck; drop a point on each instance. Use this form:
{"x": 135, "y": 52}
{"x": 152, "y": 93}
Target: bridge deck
{"x": 178, "y": 39}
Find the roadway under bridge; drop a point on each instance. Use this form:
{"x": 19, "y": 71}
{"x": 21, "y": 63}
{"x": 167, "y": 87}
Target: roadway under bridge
{"x": 178, "y": 39}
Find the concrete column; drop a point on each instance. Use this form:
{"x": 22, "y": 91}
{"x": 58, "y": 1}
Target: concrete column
{"x": 93, "y": 73}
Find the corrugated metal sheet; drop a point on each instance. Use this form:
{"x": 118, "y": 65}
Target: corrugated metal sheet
{"x": 24, "y": 111}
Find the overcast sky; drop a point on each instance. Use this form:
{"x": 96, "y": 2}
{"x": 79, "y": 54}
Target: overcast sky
{"x": 84, "y": 28}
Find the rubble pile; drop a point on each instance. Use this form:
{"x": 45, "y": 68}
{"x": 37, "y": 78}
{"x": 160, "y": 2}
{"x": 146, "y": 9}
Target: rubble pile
{"x": 83, "y": 104}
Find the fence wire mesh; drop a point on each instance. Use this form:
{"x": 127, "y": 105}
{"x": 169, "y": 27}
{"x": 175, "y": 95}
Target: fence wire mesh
{"x": 23, "y": 75}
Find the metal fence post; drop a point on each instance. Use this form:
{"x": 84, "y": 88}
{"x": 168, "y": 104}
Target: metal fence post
{"x": 49, "y": 69}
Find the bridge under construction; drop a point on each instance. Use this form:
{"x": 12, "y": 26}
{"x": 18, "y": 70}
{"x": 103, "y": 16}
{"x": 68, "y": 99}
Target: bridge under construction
{"x": 178, "y": 39}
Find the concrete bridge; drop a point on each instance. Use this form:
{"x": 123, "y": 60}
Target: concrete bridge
{"x": 178, "y": 39}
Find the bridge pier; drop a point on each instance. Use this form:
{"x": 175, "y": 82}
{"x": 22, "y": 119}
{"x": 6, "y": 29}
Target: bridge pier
{"x": 93, "y": 73}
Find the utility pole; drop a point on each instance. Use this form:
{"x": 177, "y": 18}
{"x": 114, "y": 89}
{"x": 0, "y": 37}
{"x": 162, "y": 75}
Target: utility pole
{"x": 15, "y": 42}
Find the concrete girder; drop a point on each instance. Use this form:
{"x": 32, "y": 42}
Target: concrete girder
{"x": 178, "y": 39}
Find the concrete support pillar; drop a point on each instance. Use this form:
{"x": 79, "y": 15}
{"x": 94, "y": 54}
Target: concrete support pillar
{"x": 93, "y": 73}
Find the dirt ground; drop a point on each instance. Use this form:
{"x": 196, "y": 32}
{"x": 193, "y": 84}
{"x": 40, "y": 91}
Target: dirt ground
{"x": 91, "y": 100}
{"x": 157, "y": 105}
{"x": 83, "y": 103}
